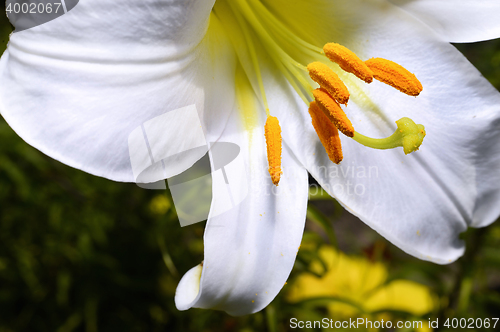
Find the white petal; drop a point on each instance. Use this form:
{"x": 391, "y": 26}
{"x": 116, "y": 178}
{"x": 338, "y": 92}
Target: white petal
{"x": 78, "y": 86}
{"x": 250, "y": 250}
{"x": 419, "y": 202}
{"x": 188, "y": 288}
{"x": 457, "y": 20}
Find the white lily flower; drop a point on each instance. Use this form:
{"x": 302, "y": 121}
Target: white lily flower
{"x": 76, "y": 87}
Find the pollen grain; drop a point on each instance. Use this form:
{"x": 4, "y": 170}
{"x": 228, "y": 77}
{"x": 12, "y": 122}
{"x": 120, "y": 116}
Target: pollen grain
{"x": 348, "y": 61}
{"x": 328, "y": 80}
{"x": 273, "y": 142}
{"x": 395, "y": 75}
{"x": 327, "y": 132}
{"x": 333, "y": 111}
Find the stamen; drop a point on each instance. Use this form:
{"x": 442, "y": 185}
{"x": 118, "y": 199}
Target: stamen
{"x": 259, "y": 27}
{"x": 408, "y": 135}
{"x": 327, "y": 133}
{"x": 285, "y": 62}
{"x": 333, "y": 111}
{"x": 328, "y": 80}
{"x": 348, "y": 61}
{"x": 395, "y": 75}
{"x": 253, "y": 57}
{"x": 282, "y": 29}
{"x": 273, "y": 142}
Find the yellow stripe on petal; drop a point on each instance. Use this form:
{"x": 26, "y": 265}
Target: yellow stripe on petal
{"x": 333, "y": 111}
{"x": 247, "y": 104}
{"x": 328, "y": 80}
{"x": 348, "y": 61}
{"x": 395, "y": 75}
{"x": 273, "y": 142}
{"x": 327, "y": 132}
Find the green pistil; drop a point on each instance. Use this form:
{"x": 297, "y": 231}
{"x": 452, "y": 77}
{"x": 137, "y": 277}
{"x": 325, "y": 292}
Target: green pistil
{"x": 409, "y": 135}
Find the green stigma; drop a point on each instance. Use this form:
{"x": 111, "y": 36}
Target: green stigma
{"x": 409, "y": 135}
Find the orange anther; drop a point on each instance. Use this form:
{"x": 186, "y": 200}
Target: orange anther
{"x": 273, "y": 142}
{"x": 348, "y": 61}
{"x": 327, "y": 133}
{"x": 333, "y": 111}
{"x": 328, "y": 80}
{"x": 395, "y": 75}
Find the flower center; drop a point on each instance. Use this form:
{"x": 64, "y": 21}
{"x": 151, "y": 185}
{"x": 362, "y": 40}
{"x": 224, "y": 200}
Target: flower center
{"x": 254, "y": 29}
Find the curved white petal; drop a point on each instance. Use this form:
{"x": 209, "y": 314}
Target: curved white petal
{"x": 420, "y": 202}
{"x": 188, "y": 289}
{"x": 457, "y": 21}
{"x": 250, "y": 250}
{"x": 78, "y": 86}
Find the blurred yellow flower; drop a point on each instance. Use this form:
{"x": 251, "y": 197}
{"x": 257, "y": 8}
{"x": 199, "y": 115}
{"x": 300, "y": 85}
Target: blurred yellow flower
{"x": 360, "y": 288}
{"x": 159, "y": 205}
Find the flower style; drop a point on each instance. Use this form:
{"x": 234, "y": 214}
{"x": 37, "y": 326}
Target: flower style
{"x": 76, "y": 87}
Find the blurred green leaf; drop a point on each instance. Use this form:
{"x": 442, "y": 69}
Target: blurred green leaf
{"x": 321, "y": 220}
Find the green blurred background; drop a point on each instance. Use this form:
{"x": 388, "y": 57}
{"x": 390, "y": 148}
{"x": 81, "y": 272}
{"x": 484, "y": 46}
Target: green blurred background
{"x": 80, "y": 253}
